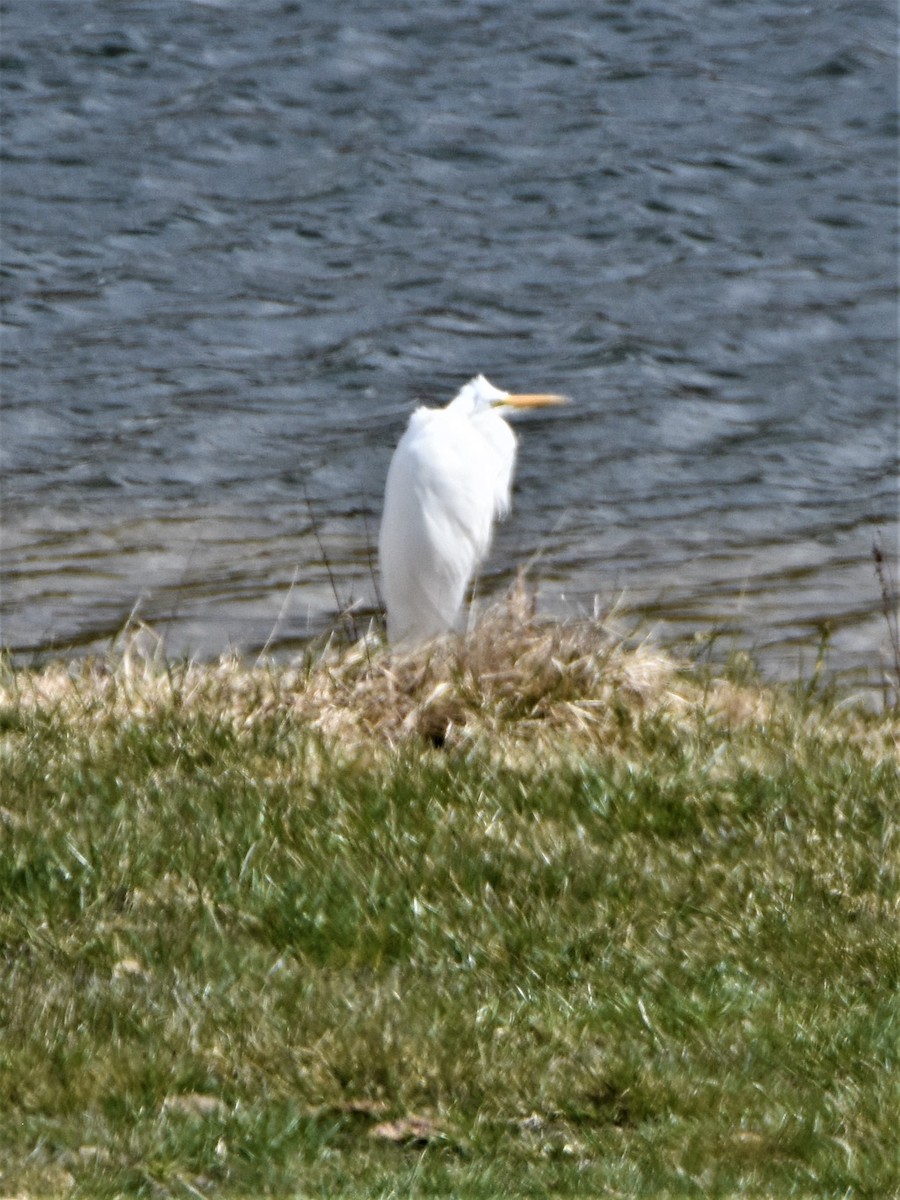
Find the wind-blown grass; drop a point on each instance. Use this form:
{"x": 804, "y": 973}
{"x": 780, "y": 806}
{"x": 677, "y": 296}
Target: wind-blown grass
{"x": 538, "y": 913}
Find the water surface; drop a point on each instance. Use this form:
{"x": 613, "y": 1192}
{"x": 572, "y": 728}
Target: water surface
{"x": 240, "y": 244}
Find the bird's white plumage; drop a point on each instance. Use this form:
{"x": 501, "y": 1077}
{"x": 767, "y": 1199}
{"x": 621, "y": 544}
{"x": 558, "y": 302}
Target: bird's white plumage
{"x": 448, "y": 481}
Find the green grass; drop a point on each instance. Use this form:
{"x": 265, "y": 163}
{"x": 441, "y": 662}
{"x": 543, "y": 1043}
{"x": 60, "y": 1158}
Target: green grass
{"x": 657, "y": 955}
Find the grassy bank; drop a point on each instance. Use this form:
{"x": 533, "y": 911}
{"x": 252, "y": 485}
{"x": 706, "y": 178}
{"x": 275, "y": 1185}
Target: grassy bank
{"x": 538, "y": 915}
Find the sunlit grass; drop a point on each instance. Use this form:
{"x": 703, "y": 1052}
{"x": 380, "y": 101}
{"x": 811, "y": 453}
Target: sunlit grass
{"x": 541, "y": 914}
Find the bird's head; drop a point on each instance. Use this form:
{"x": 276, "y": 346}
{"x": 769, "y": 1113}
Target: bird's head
{"x": 479, "y": 396}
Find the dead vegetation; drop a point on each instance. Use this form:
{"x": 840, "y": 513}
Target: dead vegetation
{"x": 532, "y": 683}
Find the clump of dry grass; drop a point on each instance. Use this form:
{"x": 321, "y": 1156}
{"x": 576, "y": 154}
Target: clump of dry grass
{"x": 512, "y": 674}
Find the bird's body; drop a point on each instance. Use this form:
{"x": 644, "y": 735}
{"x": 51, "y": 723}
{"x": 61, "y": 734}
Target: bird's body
{"x": 448, "y": 481}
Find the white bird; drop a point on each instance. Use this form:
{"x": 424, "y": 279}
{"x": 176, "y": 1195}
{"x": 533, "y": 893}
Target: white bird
{"x": 449, "y": 479}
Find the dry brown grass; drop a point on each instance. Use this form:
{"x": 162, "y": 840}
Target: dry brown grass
{"x": 515, "y": 683}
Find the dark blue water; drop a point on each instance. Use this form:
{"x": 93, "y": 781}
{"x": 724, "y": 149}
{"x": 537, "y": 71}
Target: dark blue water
{"x": 240, "y": 242}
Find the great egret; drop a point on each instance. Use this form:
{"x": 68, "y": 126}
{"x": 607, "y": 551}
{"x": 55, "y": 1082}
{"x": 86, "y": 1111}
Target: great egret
{"x": 449, "y": 478}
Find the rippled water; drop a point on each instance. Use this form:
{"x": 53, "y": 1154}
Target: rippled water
{"x": 241, "y": 242}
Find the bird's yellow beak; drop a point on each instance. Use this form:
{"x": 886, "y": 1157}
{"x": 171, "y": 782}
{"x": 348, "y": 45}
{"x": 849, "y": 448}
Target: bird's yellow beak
{"x": 530, "y": 400}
